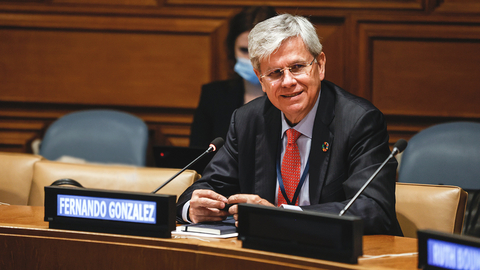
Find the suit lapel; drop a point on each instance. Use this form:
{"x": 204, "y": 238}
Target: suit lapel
{"x": 268, "y": 136}
{"x": 322, "y": 135}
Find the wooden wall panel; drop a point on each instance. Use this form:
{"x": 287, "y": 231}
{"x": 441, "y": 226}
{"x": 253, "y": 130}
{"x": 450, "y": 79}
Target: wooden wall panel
{"x": 427, "y": 78}
{"x": 419, "y": 72}
{"x": 109, "y": 2}
{"x": 458, "y": 7}
{"x": 153, "y": 67}
{"x": 352, "y": 4}
{"x": 332, "y": 36}
{"x": 103, "y": 68}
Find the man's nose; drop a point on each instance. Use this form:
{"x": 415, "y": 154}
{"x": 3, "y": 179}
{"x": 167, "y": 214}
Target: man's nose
{"x": 288, "y": 79}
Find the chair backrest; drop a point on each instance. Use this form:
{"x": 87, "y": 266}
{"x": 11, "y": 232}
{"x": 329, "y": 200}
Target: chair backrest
{"x": 16, "y": 173}
{"x": 112, "y": 177}
{"x": 436, "y": 207}
{"x": 447, "y": 154}
{"x": 104, "y": 136}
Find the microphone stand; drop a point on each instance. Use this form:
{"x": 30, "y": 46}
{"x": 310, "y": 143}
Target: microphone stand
{"x": 214, "y": 145}
{"x": 397, "y": 148}
{"x": 365, "y": 186}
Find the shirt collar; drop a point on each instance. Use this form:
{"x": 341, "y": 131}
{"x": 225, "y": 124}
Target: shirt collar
{"x": 305, "y": 126}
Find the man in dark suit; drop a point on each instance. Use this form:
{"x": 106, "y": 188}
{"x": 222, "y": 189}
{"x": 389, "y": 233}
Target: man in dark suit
{"x": 342, "y": 140}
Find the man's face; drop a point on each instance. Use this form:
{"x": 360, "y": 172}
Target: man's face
{"x": 295, "y": 95}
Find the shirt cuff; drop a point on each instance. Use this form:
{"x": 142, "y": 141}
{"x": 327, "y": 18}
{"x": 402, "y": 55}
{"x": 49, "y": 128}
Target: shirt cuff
{"x": 291, "y": 207}
{"x": 186, "y": 206}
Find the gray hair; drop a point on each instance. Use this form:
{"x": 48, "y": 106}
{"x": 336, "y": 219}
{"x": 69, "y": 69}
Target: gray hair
{"x": 267, "y": 36}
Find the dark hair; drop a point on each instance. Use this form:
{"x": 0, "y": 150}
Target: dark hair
{"x": 245, "y": 21}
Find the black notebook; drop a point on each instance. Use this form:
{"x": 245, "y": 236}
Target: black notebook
{"x": 217, "y": 228}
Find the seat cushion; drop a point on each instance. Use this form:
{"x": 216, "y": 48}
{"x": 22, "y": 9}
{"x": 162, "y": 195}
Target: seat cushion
{"x": 113, "y": 177}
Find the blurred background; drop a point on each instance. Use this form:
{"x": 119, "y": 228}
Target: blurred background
{"x": 416, "y": 60}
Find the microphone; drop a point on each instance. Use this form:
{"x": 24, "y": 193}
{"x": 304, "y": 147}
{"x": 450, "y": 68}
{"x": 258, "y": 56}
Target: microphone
{"x": 214, "y": 145}
{"x": 399, "y": 146}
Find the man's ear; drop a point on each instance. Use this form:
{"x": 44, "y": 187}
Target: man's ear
{"x": 260, "y": 79}
{"x": 321, "y": 60}
{"x": 257, "y": 73}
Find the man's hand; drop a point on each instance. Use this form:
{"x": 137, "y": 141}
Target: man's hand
{"x": 244, "y": 198}
{"x": 205, "y": 205}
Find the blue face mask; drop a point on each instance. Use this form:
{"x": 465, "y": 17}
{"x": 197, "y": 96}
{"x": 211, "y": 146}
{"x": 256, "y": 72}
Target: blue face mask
{"x": 245, "y": 69}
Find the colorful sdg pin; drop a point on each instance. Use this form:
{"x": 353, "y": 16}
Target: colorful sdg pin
{"x": 325, "y": 146}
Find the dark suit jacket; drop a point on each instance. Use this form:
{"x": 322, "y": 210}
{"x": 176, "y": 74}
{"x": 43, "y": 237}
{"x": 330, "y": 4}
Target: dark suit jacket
{"x": 218, "y": 101}
{"x": 357, "y": 135}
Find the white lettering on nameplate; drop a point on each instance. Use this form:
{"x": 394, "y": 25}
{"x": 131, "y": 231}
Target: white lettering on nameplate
{"x": 452, "y": 256}
{"x": 106, "y": 208}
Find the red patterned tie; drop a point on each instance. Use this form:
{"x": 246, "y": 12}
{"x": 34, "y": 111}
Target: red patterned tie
{"x": 291, "y": 166}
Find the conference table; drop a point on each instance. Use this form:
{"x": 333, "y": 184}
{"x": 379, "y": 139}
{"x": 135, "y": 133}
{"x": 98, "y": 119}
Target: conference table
{"x": 26, "y": 242}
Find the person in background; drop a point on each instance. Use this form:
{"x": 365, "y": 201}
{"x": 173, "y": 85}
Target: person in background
{"x": 219, "y": 99}
{"x": 307, "y": 145}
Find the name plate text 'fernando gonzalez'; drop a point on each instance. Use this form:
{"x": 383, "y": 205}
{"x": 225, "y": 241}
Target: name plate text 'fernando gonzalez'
{"x": 110, "y": 211}
{"x": 106, "y": 209}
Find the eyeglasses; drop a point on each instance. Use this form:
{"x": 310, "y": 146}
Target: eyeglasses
{"x": 296, "y": 70}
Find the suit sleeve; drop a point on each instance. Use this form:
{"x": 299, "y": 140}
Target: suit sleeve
{"x": 366, "y": 148}
{"x": 221, "y": 174}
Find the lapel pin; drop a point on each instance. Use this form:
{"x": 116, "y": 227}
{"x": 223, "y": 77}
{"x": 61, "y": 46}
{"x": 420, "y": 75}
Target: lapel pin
{"x": 325, "y": 146}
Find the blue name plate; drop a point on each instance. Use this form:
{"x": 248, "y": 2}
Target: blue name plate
{"x": 106, "y": 209}
{"x": 439, "y": 250}
{"x": 452, "y": 256}
{"x": 109, "y": 211}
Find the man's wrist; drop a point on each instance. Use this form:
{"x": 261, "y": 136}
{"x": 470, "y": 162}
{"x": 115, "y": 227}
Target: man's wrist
{"x": 185, "y": 211}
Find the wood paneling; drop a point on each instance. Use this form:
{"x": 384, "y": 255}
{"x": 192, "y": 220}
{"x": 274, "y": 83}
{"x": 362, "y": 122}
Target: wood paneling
{"x": 414, "y": 59}
{"x": 458, "y": 6}
{"x": 331, "y": 31}
{"x": 109, "y": 2}
{"x": 419, "y": 71}
{"x": 407, "y": 31}
{"x": 352, "y": 4}
{"x": 52, "y": 64}
{"x": 427, "y": 77}
{"x": 80, "y": 67}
